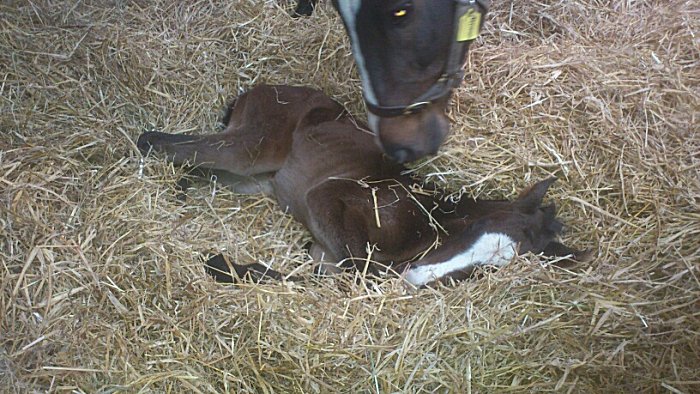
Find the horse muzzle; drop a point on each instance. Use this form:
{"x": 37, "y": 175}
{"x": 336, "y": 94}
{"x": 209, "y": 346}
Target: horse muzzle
{"x": 409, "y": 138}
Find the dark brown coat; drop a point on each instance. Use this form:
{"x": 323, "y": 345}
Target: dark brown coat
{"x": 329, "y": 174}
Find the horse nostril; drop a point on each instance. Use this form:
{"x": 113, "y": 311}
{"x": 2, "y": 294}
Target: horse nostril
{"x": 401, "y": 155}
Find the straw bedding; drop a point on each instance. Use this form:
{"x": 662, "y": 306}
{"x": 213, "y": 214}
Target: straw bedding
{"x": 103, "y": 288}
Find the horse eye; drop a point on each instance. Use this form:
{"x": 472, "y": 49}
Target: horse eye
{"x": 399, "y": 14}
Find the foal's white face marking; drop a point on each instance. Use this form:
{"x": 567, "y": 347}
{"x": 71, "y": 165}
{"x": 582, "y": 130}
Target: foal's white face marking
{"x": 348, "y": 10}
{"x": 490, "y": 249}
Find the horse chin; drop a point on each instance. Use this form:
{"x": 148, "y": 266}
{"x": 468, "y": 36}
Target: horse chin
{"x": 411, "y": 137}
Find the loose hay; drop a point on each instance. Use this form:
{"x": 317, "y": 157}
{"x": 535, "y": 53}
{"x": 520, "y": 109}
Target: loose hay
{"x": 102, "y": 286}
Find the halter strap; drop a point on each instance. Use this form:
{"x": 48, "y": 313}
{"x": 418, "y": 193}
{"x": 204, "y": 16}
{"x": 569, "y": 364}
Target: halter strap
{"x": 452, "y": 75}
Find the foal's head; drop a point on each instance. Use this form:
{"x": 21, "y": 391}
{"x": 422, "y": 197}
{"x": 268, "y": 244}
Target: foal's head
{"x": 409, "y": 54}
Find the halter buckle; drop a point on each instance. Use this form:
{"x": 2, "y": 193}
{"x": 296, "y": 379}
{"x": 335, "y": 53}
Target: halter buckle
{"x": 416, "y": 107}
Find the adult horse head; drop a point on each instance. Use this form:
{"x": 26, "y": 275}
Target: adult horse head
{"x": 410, "y": 54}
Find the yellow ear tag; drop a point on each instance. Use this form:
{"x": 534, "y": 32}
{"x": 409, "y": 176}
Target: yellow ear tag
{"x": 400, "y": 13}
{"x": 469, "y": 24}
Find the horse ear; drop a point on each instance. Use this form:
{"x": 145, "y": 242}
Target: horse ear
{"x": 530, "y": 199}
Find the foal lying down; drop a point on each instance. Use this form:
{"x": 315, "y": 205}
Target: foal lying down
{"x": 300, "y": 146}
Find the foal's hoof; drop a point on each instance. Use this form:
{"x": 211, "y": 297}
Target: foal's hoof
{"x": 145, "y": 143}
{"x": 157, "y": 141}
{"x": 219, "y": 267}
{"x": 303, "y": 10}
{"x": 219, "y": 270}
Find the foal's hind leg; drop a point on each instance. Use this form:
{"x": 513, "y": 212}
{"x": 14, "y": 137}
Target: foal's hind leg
{"x": 258, "y": 136}
{"x": 239, "y": 153}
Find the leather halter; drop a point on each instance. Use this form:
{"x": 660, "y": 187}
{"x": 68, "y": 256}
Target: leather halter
{"x": 452, "y": 74}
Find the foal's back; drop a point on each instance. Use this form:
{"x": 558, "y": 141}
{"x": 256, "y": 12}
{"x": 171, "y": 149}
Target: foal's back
{"x": 340, "y": 185}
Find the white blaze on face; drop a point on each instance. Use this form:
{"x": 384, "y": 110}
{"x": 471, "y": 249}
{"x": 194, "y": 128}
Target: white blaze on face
{"x": 490, "y": 249}
{"x": 348, "y": 10}
{"x": 373, "y": 121}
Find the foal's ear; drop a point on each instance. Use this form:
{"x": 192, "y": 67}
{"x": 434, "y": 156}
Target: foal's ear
{"x": 530, "y": 199}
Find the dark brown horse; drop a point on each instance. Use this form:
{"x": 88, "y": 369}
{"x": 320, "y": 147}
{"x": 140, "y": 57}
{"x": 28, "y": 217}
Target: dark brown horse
{"x": 409, "y": 54}
{"x": 329, "y": 174}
